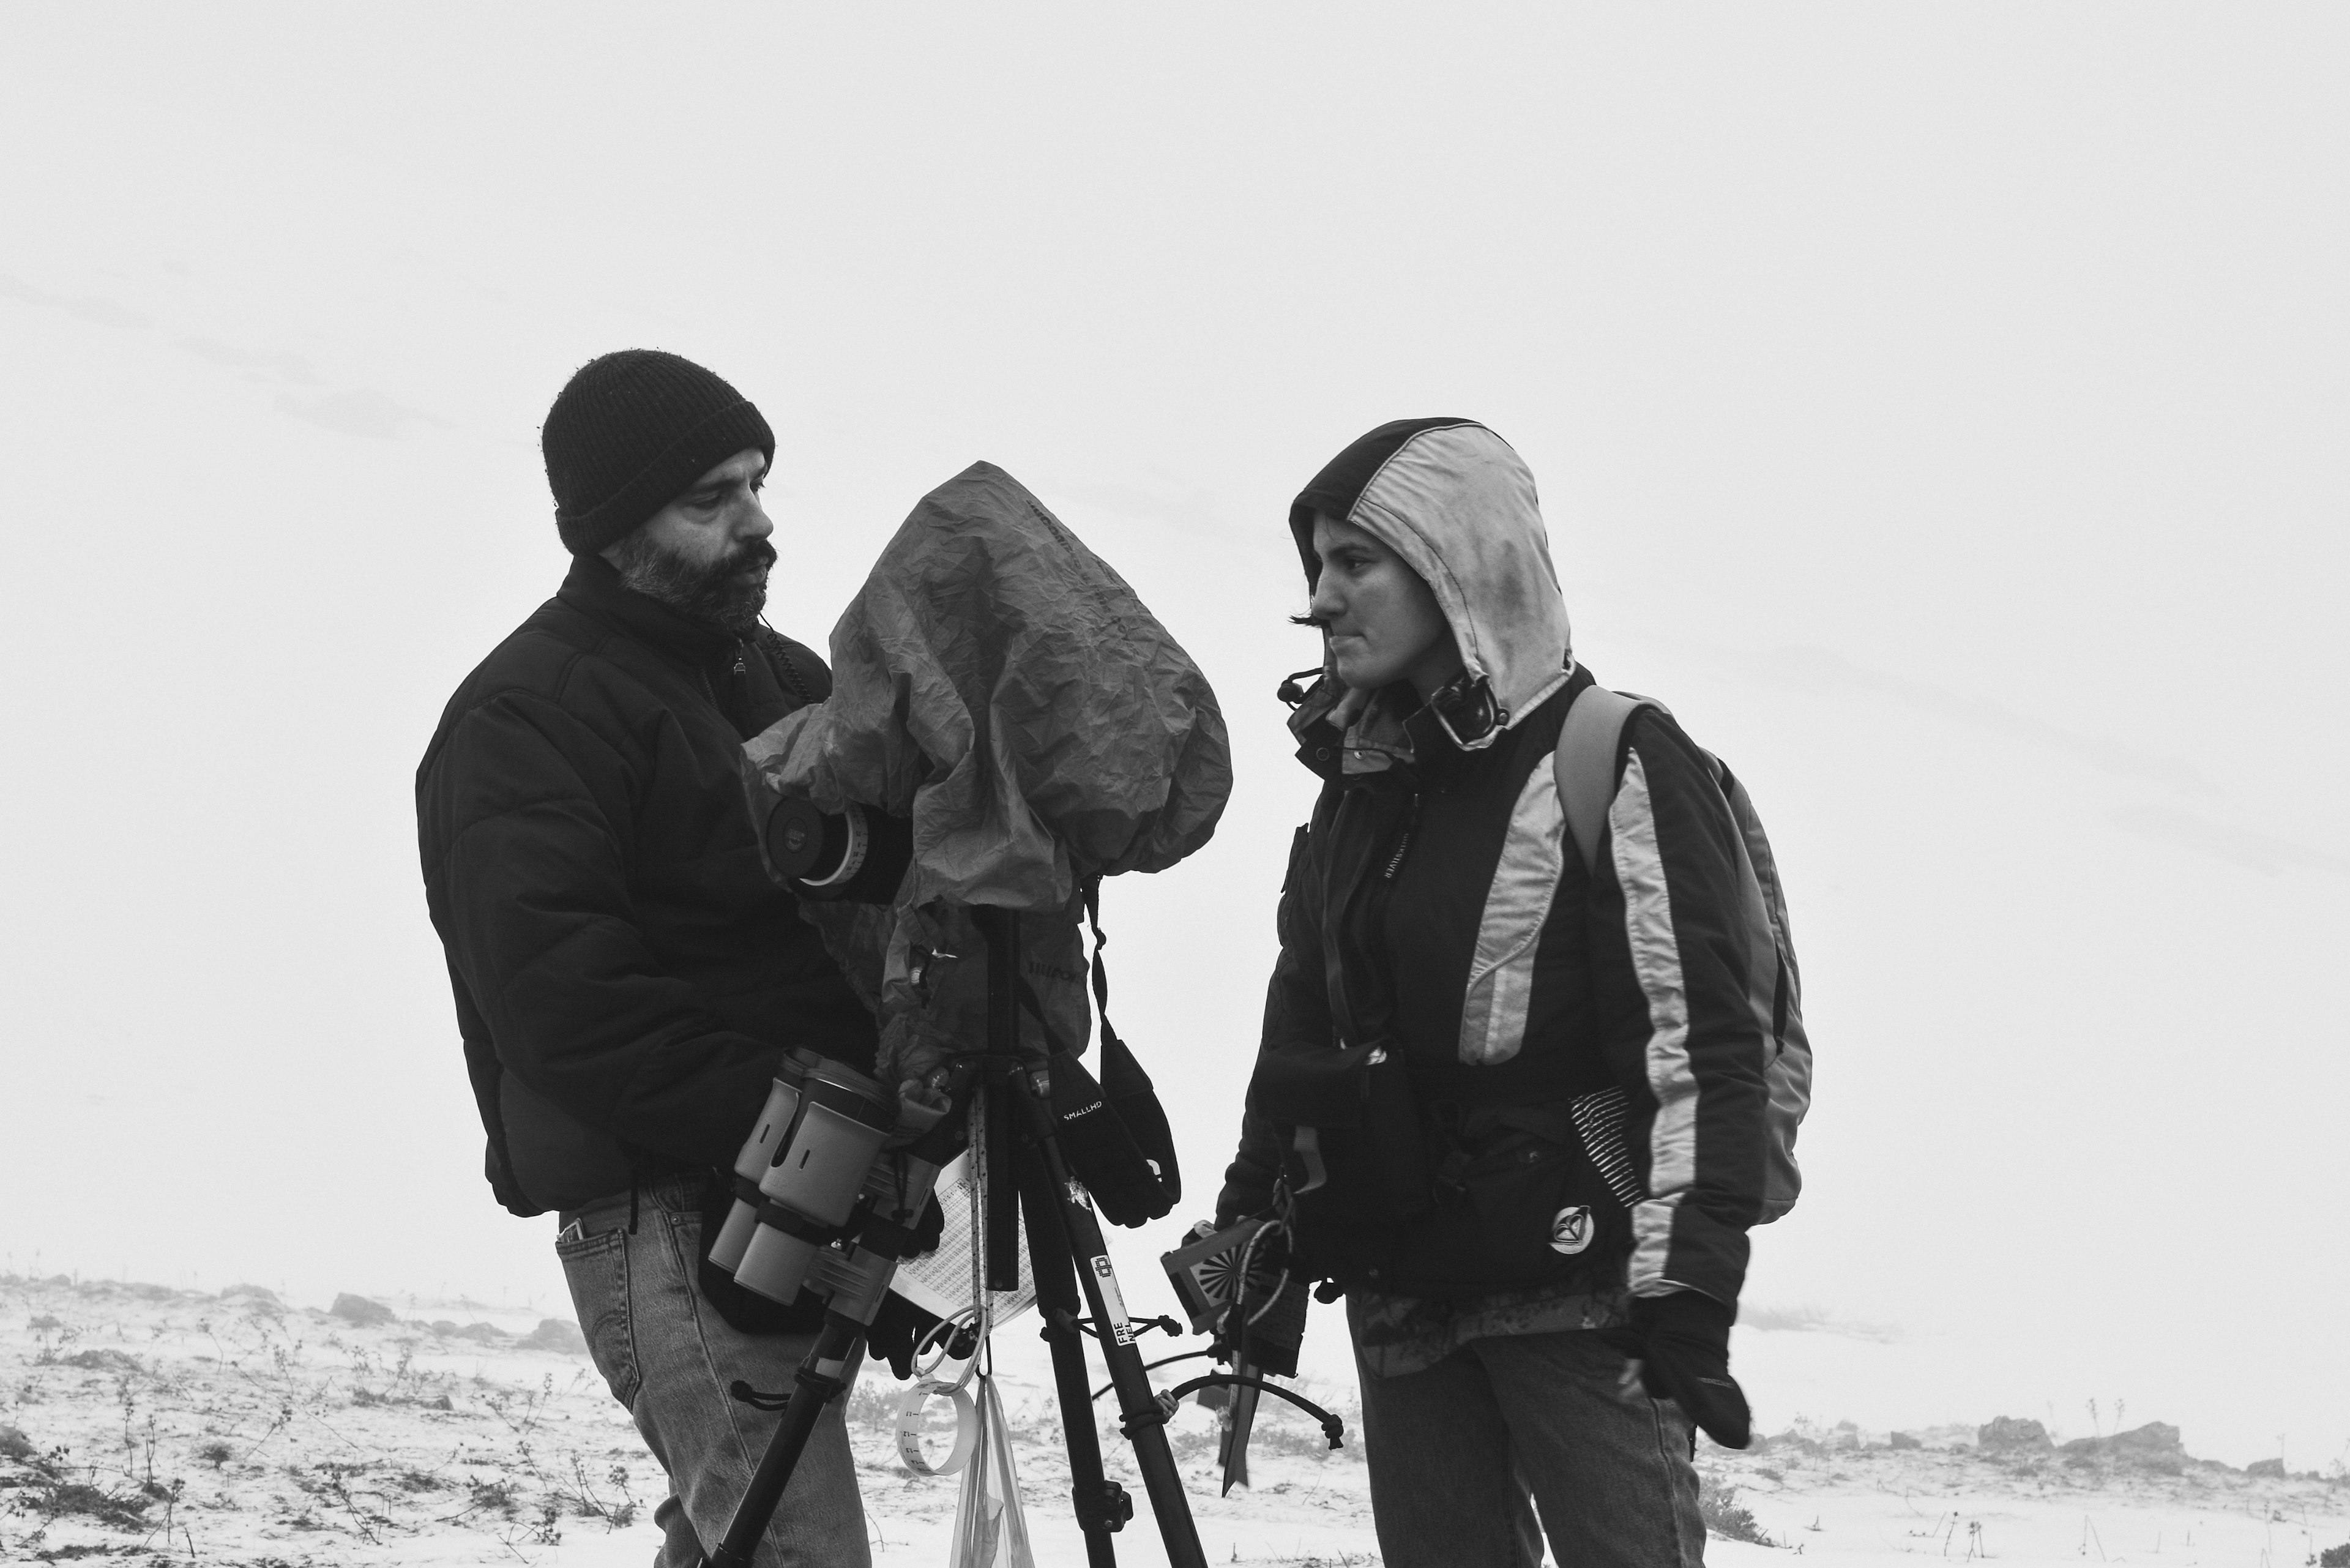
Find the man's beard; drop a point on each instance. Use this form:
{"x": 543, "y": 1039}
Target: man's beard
{"x": 726, "y": 594}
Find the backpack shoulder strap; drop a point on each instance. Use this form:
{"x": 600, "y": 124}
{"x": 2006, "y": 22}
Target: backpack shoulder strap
{"x": 1587, "y": 744}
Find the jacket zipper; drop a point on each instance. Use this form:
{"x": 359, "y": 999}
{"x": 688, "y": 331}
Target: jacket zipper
{"x": 1403, "y": 844}
{"x": 738, "y": 687}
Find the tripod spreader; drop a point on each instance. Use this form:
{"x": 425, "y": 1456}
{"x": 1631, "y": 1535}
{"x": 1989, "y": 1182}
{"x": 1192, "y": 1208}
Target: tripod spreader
{"x": 1141, "y": 1326}
{"x": 1333, "y": 1428}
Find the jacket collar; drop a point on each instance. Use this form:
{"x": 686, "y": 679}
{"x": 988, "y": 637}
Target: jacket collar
{"x": 1393, "y": 736}
{"x": 593, "y": 589}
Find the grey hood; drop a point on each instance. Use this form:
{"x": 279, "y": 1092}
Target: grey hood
{"x": 1458, "y": 505}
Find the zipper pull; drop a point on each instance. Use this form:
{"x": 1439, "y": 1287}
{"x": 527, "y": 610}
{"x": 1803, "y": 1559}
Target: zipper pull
{"x": 738, "y": 687}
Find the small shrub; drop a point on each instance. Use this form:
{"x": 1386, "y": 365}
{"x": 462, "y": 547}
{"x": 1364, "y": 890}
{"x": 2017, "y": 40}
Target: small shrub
{"x": 2335, "y": 1556}
{"x": 124, "y": 1512}
{"x": 870, "y": 1404}
{"x": 1724, "y": 1515}
{"x": 618, "y": 1512}
{"x": 1302, "y": 1439}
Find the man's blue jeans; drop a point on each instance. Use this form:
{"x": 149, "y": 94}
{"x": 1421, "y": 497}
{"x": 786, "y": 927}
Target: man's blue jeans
{"x": 1456, "y": 1452}
{"x": 669, "y": 1357}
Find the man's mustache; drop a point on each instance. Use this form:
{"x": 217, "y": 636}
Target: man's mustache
{"x": 757, "y": 553}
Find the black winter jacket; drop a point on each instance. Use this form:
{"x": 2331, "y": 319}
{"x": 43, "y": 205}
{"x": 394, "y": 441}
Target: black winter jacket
{"x": 625, "y": 973}
{"x": 1409, "y": 882}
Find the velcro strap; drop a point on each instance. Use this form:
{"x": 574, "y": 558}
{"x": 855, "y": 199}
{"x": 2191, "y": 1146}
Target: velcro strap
{"x": 886, "y": 1237}
{"x": 792, "y": 1222}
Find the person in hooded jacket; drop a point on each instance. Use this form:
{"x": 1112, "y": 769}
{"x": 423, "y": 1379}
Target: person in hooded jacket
{"x": 1514, "y": 1110}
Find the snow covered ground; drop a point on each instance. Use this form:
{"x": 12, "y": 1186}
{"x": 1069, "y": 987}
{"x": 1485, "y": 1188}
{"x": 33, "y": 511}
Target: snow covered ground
{"x": 239, "y": 1430}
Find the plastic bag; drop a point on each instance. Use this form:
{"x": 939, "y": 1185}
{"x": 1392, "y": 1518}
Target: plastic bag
{"x": 990, "y": 1529}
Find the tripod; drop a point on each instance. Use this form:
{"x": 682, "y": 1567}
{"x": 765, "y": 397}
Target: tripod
{"x": 1071, "y": 1269}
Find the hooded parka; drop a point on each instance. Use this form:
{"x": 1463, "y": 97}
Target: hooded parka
{"x": 1550, "y": 1025}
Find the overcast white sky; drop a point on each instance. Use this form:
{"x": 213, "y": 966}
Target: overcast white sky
{"x": 1942, "y": 407}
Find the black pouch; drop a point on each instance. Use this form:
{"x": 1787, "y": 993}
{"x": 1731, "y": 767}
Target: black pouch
{"x": 1519, "y": 1199}
{"x": 1112, "y": 1131}
{"x": 1352, "y": 1153}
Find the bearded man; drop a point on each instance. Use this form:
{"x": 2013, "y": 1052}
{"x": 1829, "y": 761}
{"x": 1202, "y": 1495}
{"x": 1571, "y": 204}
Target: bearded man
{"x": 627, "y": 974}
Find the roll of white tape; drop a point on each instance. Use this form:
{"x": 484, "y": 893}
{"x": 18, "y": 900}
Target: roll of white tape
{"x": 911, "y": 1430}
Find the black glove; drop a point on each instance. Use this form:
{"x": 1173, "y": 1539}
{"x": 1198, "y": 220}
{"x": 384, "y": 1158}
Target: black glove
{"x": 1681, "y": 1344}
{"x": 929, "y": 1228}
{"x": 1127, "y": 1188}
{"x": 897, "y": 1326}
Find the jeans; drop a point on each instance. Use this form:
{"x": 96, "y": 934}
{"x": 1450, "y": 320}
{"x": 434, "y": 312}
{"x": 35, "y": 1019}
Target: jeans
{"x": 1463, "y": 1454}
{"x": 669, "y": 1357}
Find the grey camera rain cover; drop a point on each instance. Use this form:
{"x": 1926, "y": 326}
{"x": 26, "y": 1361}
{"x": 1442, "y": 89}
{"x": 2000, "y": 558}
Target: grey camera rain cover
{"x": 997, "y": 683}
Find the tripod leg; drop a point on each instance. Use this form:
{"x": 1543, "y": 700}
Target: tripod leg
{"x": 1145, "y": 1423}
{"x": 819, "y": 1383}
{"x": 1101, "y": 1504}
{"x": 998, "y": 1121}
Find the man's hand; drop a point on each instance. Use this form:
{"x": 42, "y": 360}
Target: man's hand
{"x": 1678, "y": 1347}
{"x": 898, "y": 1327}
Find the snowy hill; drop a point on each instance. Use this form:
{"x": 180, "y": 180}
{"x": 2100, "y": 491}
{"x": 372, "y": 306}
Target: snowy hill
{"x": 239, "y": 1430}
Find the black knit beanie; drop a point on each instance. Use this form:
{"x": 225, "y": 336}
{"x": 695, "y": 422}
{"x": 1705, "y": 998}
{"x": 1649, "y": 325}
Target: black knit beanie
{"x": 630, "y": 432}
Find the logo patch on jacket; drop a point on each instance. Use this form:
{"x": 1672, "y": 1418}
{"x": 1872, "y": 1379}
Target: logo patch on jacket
{"x": 1570, "y": 1229}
